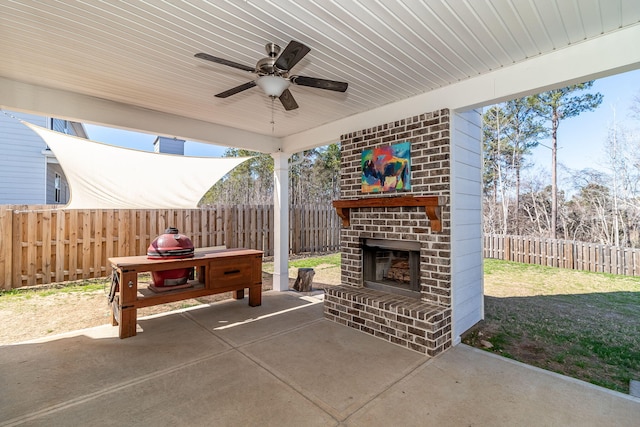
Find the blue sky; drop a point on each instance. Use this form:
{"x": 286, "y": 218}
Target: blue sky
{"x": 144, "y": 142}
{"x": 580, "y": 139}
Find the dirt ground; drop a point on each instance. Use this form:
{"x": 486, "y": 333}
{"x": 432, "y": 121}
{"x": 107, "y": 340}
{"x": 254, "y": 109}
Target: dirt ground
{"x": 38, "y": 316}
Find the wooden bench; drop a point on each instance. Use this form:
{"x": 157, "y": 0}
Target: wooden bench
{"x": 217, "y": 270}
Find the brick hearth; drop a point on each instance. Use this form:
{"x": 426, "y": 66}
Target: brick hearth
{"x": 405, "y": 321}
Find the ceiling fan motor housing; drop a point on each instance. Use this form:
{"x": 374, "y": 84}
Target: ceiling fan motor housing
{"x": 272, "y": 49}
{"x": 266, "y": 66}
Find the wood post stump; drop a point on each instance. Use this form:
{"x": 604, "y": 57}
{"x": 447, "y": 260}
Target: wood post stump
{"x": 304, "y": 279}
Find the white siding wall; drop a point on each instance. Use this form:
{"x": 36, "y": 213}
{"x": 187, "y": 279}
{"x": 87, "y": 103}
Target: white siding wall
{"x": 22, "y": 165}
{"x": 52, "y": 169}
{"x": 466, "y": 221}
{"x": 165, "y": 145}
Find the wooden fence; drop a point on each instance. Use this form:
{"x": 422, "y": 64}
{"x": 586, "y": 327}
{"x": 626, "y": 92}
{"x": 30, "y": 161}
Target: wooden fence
{"x": 564, "y": 254}
{"x": 45, "y": 245}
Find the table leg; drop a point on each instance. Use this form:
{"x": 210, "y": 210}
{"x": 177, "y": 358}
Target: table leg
{"x": 255, "y": 295}
{"x": 114, "y": 312}
{"x": 128, "y": 322}
{"x": 238, "y": 294}
{"x": 128, "y": 297}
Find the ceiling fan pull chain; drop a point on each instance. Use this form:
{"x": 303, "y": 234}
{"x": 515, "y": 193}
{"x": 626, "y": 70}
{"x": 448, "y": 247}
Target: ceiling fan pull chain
{"x": 273, "y": 121}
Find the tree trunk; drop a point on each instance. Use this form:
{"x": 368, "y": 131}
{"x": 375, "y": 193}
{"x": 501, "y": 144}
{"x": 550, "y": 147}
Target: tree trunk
{"x": 554, "y": 175}
{"x": 517, "y": 206}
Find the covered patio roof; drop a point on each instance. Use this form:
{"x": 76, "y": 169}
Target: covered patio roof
{"x": 132, "y": 65}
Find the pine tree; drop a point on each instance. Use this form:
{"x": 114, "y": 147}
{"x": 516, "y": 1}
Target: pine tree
{"x": 554, "y": 106}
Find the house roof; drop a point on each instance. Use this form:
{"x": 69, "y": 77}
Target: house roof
{"x": 131, "y": 64}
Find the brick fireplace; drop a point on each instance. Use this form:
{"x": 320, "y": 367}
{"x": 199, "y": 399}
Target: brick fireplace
{"x": 396, "y": 248}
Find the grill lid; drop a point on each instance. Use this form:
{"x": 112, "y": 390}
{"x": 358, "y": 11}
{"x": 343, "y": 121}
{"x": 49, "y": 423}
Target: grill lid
{"x": 170, "y": 245}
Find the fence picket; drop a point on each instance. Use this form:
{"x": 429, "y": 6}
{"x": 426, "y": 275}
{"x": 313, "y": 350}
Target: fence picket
{"x": 6, "y": 247}
{"x": 46, "y": 244}
{"x": 98, "y": 244}
{"x": 31, "y": 246}
{"x": 86, "y": 245}
{"x": 60, "y": 246}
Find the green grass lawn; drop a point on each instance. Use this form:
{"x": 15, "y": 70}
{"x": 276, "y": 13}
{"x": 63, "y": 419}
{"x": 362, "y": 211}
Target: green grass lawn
{"x": 581, "y": 324}
{"x": 58, "y": 289}
{"x": 326, "y": 267}
{"x": 325, "y": 261}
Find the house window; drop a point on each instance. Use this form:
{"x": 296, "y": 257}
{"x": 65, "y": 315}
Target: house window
{"x": 57, "y": 186}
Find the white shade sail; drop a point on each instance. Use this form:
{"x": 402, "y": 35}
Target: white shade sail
{"x": 102, "y": 176}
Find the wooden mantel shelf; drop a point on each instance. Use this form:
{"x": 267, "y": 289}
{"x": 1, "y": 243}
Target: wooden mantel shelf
{"x": 431, "y": 204}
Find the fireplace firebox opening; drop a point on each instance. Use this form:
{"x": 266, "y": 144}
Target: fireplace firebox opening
{"x": 391, "y": 266}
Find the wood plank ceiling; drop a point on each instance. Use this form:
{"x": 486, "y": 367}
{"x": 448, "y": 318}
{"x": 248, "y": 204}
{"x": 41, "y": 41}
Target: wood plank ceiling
{"x": 141, "y": 52}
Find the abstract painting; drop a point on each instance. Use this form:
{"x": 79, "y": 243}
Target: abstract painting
{"x": 386, "y": 169}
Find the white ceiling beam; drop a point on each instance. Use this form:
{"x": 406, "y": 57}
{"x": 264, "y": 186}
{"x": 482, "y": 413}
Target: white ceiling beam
{"x": 610, "y": 54}
{"x": 20, "y": 96}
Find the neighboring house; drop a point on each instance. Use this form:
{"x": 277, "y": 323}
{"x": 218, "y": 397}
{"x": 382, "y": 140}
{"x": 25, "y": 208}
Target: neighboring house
{"x": 29, "y": 171}
{"x": 165, "y": 145}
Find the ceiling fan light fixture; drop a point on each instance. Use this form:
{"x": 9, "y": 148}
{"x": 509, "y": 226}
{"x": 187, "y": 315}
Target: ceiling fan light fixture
{"x": 273, "y": 85}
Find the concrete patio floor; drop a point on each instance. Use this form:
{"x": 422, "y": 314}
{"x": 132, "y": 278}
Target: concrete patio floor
{"x": 281, "y": 364}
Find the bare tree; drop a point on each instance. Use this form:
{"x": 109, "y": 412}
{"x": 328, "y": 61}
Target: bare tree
{"x": 523, "y": 131}
{"x": 510, "y": 131}
{"x": 535, "y": 206}
{"x": 313, "y": 178}
{"x": 621, "y": 154}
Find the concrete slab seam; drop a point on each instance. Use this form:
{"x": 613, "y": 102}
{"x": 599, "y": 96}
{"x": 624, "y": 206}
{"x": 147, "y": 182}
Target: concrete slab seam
{"x": 295, "y": 389}
{"x": 108, "y": 390}
{"x": 419, "y": 367}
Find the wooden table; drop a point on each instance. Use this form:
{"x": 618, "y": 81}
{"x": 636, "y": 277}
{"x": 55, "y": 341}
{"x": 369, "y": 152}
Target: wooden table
{"x": 216, "y": 271}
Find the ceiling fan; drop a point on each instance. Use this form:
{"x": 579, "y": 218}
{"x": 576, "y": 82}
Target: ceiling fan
{"x": 273, "y": 74}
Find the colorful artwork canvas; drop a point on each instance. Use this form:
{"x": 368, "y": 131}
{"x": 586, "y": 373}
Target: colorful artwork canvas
{"x": 387, "y": 168}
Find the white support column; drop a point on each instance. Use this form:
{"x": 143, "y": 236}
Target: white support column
{"x": 281, "y": 221}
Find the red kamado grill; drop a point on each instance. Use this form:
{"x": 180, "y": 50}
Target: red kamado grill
{"x": 170, "y": 245}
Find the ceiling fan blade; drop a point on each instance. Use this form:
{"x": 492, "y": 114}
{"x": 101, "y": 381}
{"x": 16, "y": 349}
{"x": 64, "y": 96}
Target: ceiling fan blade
{"x": 236, "y": 89}
{"x": 287, "y": 101}
{"x": 224, "y": 62}
{"x": 291, "y": 55}
{"x": 319, "y": 83}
